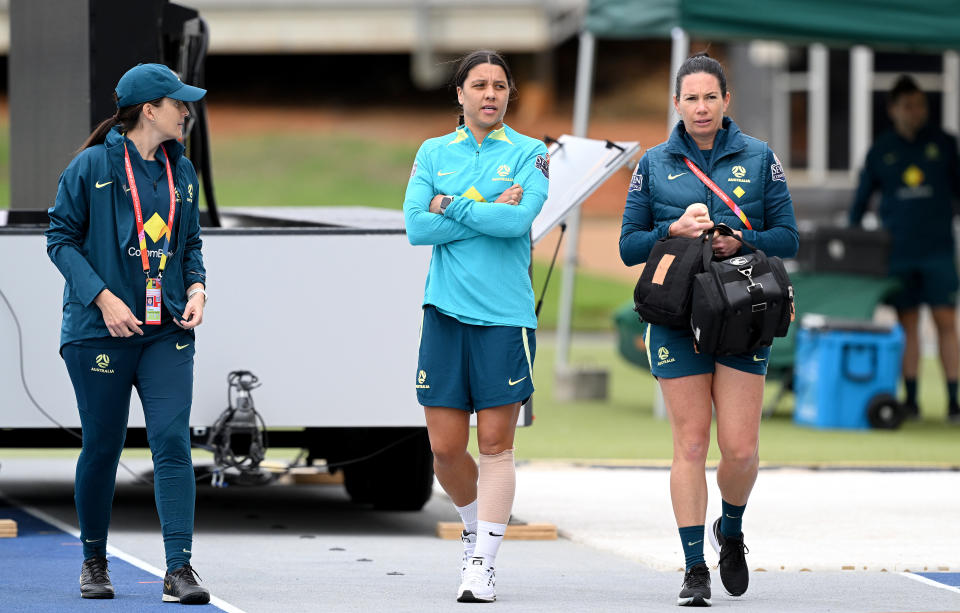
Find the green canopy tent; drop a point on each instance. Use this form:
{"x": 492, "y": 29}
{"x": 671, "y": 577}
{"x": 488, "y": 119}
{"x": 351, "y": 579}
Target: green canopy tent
{"x": 931, "y": 25}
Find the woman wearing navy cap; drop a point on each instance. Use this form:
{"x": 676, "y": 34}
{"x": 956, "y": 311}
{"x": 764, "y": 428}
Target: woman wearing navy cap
{"x": 125, "y": 234}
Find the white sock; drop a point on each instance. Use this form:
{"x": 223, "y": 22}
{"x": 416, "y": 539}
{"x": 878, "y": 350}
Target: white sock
{"x": 489, "y": 537}
{"x": 468, "y": 514}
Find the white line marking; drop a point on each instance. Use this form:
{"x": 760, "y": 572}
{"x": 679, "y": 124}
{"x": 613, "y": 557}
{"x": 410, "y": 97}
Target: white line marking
{"x": 112, "y": 550}
{"x": 930, "y": 582}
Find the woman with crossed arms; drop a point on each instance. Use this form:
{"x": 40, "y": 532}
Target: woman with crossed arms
{"x": 473, "y": 195}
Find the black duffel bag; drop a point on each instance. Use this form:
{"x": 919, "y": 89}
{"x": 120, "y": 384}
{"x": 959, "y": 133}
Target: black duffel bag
{"x": 663, "y": 291}
{"x": 741, "y": 303}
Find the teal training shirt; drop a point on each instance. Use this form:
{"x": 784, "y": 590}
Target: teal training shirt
{"x": 479, "y": 270}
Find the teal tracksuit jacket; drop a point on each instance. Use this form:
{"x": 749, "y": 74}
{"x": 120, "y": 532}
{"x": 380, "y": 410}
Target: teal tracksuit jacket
{"x": 92, "y": 225}
{"x": 743, "y": 167}
{"x": 479, "y": 270}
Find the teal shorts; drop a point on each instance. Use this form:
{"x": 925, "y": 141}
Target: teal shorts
{"x": 672, "y": 354}
{"x": 470, "y": 367}
{"x": 933, "y": 283}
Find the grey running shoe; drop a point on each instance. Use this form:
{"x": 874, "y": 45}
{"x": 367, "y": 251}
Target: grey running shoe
{"x": 696, "y": 587}
{"x": 181, "y": 586}
{"x": 734, "y": 574}
{"x": 95, "y": 579}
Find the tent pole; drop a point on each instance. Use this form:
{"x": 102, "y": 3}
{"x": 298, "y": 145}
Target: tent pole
{"x": 951, "y": 91}
{"x": 679, "y": 51}
{"x": 861, "y": 105}
{"x": 817, "y": 112}
{"x": 581, "y": 118}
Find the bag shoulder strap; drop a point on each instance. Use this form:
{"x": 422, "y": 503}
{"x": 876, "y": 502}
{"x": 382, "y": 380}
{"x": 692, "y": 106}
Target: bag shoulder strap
{"x": 716, "y": 190}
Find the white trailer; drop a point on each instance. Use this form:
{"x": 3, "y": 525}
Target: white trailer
{"x": 321, "y": 304}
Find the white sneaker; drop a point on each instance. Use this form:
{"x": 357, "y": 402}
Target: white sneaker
{"x": 478, "y": 582}
{"x": 469, "y": 540}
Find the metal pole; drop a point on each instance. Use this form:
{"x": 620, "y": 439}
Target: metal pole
{"x": 817, "y": 112}
{"x": 951, "y": 91}
{"x": 679, "y": 51}
{"x": 861, "y": 105}
{"x": 581, "y": 118}
{"x": 780, "y": 115}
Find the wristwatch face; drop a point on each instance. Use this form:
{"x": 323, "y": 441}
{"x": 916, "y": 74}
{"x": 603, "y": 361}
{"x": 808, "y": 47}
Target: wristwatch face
{"x": 444, "y": 202}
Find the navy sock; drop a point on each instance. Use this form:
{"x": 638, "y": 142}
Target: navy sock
{"x": 731, "y": 521}
{"x": 691, "y": 537}
{"x": 911, "y": 385}
{"x": 952, "y": 393}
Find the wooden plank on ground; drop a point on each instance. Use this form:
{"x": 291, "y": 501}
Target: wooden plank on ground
{"x": 8, "y": 528}
{"x": 451, "y": 530}
{"x": 306, "y": 475}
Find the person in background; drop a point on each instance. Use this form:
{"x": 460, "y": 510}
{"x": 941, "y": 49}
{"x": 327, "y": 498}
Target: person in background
{"x": 915, "y": 168}
{"x": 473, "y": 195}
{"x": 666, "y": 197}
{"x": 125, "y": 233}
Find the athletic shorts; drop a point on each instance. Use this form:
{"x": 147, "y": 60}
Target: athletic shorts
{"x": 672, "y": 354}
{"x": 934, "y": 283}
{"x": 470, "y": 367}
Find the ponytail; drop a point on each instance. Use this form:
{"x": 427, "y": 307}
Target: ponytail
{"x": 128, "y": 117}
{"x": 99, "y": 133}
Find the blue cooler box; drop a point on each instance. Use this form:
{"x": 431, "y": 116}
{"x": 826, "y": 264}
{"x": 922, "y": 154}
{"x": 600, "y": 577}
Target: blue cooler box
{"x": 841, "y": 367}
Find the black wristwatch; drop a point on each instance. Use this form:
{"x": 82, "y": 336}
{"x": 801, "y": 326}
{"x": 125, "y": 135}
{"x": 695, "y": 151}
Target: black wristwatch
{"x": 446, "y": 200}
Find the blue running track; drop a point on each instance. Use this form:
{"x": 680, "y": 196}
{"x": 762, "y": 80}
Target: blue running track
{"x": 40, "y": 571}
{"x": 949, "y": 579}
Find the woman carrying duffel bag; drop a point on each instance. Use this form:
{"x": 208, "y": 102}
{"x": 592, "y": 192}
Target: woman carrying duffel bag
{"x": 669, "y": 197}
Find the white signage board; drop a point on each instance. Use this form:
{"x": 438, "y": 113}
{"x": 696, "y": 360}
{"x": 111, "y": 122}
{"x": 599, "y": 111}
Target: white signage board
{"x": 578, "y": 166}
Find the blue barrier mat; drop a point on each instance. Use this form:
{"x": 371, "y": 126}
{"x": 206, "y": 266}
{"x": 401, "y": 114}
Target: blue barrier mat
{"x": 40, "y": 571}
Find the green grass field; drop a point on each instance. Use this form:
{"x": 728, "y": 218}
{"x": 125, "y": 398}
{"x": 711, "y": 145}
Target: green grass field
{"x": 310, "y": 170}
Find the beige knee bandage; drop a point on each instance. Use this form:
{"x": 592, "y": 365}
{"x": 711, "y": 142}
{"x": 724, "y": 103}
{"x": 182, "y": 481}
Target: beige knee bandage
{"x": 496, "y": 487}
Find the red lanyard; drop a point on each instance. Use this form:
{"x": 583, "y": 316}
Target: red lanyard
{"x": 138, "y": 212}
{"x": 719, "y": 192}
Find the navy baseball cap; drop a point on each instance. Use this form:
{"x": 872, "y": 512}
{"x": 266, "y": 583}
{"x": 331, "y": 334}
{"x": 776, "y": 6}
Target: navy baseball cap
{"x": 146, "y": 82}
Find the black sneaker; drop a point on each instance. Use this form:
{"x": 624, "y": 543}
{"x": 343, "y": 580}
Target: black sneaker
{"x": 911, "y": 411}
{"x": 181, "y": 586}
{"x": 733, "y": 564}
{"x": 696, "y": 587}
{"x": 95, "y": 579}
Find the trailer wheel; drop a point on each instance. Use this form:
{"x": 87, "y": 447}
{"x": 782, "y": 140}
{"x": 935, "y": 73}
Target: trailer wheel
{"x": 884, "y": 412}
{"x": 398, "y": 479}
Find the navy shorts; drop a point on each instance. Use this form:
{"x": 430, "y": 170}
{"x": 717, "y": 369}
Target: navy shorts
{"x": 672, "y": 354}
{"x": 463, "y": 366}
{"x": 933, "y": 283}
